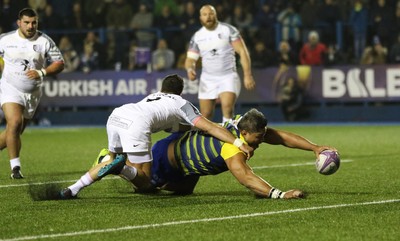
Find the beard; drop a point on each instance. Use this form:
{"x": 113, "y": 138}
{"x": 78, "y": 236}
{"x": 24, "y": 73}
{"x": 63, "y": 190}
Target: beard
{"x": 29, "y": 33}
{"x": 209, "y": 24}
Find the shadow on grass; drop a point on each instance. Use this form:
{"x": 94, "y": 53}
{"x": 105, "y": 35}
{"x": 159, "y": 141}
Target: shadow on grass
{"x": 45, "y": 192}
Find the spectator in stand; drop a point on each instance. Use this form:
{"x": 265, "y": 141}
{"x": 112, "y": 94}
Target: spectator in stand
{"x": 381, "y": 17}
{"x": 162, "y": 58}
{"x": 286, "y": 57}
{"x": 63, "y": 11}
{"x": 141, "y": 22}
{"x": 223, "y": 10}
{"x": 7, "y": 16}
{"x": 38, "y": 5}
{"x": 261, "y": 56}
{"x": 328, "y": 16}
{"x": 78, "y": 24}
{"x": 394, "y": 54}
{"x": 309, "y": 17}
{"x": 359, "y": 23}
{"x": 265, "y": 19}
{"x": 312, "y": 52}
{"x": 50, "y": 20}
{"x": 396, "y": 24}
{"x": 167, "y": 22}
{"x": 333, "y": 56}
{"x": 118, "y": 17}
{"x": 290, "y": 25}
{"x": 242, "y": 20}
{"x": 78, "y": 19}
{"x": 375, "y": 54}
{"x": 71, "y": 57}
{"x": 291, "y": 101}
{"x": 172, "y": 5}
{"x": 189, "y": 20}
{"x": 98, "y": 48}
{"x": 89, "y": 59}
{"x": 95, "y": 10}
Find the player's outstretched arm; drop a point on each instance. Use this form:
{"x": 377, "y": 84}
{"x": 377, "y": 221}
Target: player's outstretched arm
{"x": 245, "y": 175}
{"x": 292, "y": 140}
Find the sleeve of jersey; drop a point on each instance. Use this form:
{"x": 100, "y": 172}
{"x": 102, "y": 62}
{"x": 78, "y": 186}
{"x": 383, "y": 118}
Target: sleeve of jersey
{"x": 234, "y": 34}
{"x": 193, "y": 50}
{"x": 229, "y": 150}
{"x": 54, "y": 54}
{"x": 190, "y": 113}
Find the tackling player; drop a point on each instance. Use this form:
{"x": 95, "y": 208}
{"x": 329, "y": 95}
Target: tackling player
{"x": 129, "y": 129}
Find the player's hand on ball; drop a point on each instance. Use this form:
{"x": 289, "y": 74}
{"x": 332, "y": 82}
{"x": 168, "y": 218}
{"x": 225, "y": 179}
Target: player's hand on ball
{"x": 295, "y": 193}
{"x": 320, "y": 149}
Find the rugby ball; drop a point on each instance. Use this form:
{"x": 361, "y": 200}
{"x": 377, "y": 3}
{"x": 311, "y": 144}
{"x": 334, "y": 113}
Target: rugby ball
{"x": 328, "y": 162}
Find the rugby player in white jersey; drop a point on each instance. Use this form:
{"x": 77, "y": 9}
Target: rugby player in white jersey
{"x": 129, "y": 130}
{"x": 26, "y": 52}
{"x": 216, "y": 43}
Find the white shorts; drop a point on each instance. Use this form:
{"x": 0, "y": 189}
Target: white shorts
{"x": 211, "y": 86}
{"x": 129, "y": 136}
{"x": 30, "y": 101}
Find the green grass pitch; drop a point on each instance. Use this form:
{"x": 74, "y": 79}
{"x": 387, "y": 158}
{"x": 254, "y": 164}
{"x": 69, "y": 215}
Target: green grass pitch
{"x": 359, "y": 202}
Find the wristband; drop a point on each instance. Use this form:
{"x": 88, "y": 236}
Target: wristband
{"x": 275, "y": 193}
{"x": 40, "y": 73}
{"x": 238, "y": 143}
{"x": 44, "y": 72}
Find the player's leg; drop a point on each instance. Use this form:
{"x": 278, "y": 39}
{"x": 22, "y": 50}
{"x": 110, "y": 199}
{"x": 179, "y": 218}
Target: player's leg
{"x": 142, "y": 179}
{"x": 207, "y": 107}
{"x": 228, "y": 90}
{"x": 184, "y": 187}
{"x": 15, "y": 124}
{"x": 228, "y": 100}
{"x": 92, "y": 176}
{"x": 208, "y": 94}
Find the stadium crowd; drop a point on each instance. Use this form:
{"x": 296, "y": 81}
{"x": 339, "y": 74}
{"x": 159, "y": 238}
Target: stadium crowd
{"x": 126, "y": 34}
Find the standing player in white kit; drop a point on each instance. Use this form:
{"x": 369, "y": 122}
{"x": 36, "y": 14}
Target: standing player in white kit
{"x": 26, "y": 53}
{"x": 217, "y": 42}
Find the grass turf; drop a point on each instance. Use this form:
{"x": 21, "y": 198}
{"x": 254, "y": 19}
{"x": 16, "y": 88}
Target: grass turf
{"x": 359, "y": 202}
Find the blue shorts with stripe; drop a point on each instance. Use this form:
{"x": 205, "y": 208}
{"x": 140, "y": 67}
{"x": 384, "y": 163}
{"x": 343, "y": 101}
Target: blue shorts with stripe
{"x": 162, "y": 171}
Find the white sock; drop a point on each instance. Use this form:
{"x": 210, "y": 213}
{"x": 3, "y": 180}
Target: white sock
{"x": 84, "y": 181}
{"x": 129, "y": 172}
{"x": 15, "y": 162}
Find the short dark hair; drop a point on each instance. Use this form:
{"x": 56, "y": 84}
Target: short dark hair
{"x": 253, "y": 121}
{"x": 27, "y": 12}
{"x": 172, "y": 84}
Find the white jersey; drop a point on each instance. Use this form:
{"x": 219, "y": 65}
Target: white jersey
{"x": 129, "y": 127}
{"x": 22, "y": 54}
{"x": 215, "y": 48}
{"x": 159, "y": 111}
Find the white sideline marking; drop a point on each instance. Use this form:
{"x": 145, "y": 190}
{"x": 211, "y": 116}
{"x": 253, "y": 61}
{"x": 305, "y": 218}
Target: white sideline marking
{"x": 155, "y": 225}
{"x": 72, "y": 181}
{"x": 294, "y": 165}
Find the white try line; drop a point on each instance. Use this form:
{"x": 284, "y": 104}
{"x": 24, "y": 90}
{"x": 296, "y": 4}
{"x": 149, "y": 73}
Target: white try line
{"x": 110, "y": 178}
{"x": 204, "y": 220}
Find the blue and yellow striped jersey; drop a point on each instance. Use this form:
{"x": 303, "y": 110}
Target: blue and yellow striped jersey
{"x": 201, "y": 154}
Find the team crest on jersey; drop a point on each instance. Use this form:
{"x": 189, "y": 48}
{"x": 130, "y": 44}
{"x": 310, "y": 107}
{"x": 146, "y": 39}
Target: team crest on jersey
{"x": 37, "y": 48}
